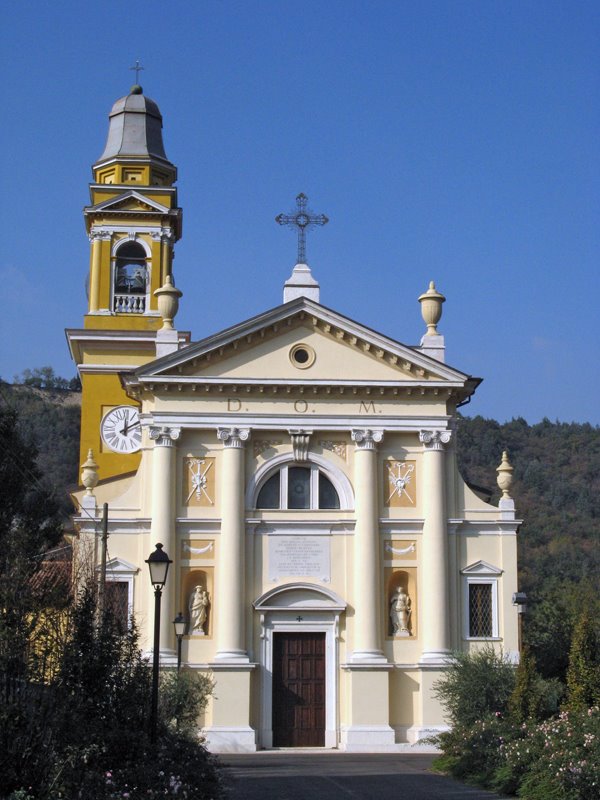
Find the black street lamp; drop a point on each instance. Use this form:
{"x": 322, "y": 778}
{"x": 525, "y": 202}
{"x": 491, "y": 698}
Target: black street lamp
{"x": 179, "y": 625}
{"x": 158, "y": 563}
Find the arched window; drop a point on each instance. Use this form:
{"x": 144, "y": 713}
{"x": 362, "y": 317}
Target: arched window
{"x": 131, "y": 278}
{"x": 298, "y": 487}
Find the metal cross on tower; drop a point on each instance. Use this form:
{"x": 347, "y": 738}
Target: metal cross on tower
{"x": 302, "y": 219}
{"x": 138, "y": 68}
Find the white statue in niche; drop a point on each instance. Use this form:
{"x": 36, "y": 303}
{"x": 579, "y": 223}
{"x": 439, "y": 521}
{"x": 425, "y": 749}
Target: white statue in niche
{"x": 400, "y": 611}
{"x": 198, "y": 609}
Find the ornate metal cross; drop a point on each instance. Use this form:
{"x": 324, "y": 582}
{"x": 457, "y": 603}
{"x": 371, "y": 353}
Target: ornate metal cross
{"x": 138, "y": 68}
{"x": 302, "y": 219}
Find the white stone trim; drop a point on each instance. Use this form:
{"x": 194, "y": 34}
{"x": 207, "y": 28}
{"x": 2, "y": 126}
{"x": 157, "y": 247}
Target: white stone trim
{"x": 342, "y": 423}
{"x": 315, "y": 619}
{"x": 486, "y": 579}
{"x": 311, "y": 310}
{"x": 133, "y": 237}
{"x": 106, "y": 205}
{"x": 339, "y": 480}
{"x": 120, "y": 571}
{"x": 235, "y": 739}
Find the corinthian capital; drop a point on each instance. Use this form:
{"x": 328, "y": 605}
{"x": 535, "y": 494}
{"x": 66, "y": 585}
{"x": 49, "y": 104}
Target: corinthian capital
{"x": 163, "y": 436}
{"x": 366, "y": 439}
{"x": 233, "y": 437}
{"x": 435, "y": 440}
{"x": 99, "y": 234}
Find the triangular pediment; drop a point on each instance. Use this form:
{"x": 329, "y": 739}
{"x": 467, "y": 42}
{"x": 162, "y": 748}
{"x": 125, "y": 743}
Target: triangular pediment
{"x": 481, "y": 568}
{"x": 129, "y": 201}
{"x": 118, "y": 566}
{"x": 338, "y": 350}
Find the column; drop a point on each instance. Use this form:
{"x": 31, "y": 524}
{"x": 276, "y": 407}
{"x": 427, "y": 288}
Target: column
{"x": 163, "y": 525}
{"x": 367, "y": 579}
{"x": 366, "y": 727}
{"x": 165, "y": 256}
{"x": 96, "y": 240}
{"x": 230, "y": 588}
{"x": 434, "y": 550}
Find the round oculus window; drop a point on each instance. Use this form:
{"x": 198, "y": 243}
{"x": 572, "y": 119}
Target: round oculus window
{"x": 302, "y": 356}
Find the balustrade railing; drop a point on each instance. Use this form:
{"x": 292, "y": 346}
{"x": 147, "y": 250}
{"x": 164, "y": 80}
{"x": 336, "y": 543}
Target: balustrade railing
{"x": 129, "y": 303}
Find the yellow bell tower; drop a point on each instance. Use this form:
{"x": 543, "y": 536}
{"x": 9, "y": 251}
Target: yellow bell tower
{"x": 133, "y": 222}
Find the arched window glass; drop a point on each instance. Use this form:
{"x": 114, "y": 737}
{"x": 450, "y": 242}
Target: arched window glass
{"x": 295, "y": 487}
{"x": 298, "y": 487}
{"x": 328, "y": 496}
{"x": 131, "y": 271}
{"x": 269, "y": 495}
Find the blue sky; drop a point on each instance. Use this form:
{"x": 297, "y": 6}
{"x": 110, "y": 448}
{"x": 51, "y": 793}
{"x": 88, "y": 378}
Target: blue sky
{"x": 453, "y": 141}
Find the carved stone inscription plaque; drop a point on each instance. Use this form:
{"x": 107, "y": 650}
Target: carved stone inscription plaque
{"x": 299, "y": 556}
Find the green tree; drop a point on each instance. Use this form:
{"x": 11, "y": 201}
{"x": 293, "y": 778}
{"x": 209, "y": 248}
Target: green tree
{"x": 524, "y": 702}
{"x": 583, "y": 674}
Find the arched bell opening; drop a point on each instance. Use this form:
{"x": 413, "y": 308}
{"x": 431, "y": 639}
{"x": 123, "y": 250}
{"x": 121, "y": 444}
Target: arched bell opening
{"x": 131, "y": 279}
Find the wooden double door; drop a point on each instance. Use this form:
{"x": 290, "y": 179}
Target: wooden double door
{"x": 299, "y": 690}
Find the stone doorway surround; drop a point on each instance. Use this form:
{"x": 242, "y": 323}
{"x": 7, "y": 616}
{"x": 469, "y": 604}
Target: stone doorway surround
{"x": 299, "y": 608}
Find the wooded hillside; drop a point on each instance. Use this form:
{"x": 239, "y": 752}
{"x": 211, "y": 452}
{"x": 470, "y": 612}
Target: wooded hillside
{"x": 556, "y": 491}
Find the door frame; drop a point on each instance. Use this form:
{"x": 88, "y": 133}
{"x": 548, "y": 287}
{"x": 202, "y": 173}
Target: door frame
{"x": 320, "y": 611}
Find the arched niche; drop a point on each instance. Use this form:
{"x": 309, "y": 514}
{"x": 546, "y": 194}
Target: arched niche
{"x": 190, "y": 579}
{"x": 406, "y": 577}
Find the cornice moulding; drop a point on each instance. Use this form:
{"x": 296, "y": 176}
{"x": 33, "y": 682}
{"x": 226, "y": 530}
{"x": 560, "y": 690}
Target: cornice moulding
{"x": 260, "y": 422}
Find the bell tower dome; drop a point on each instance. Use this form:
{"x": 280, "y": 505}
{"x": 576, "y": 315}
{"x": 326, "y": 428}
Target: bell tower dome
{"x": 133, "y": 222}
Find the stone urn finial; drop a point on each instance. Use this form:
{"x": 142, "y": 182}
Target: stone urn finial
{"x": 168, "y": 302}
{"x": 505, "y": 475}
{"x": 89, "y": 473}
{"x": 431, "y": 308}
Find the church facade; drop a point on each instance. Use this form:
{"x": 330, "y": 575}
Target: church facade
{"x": 299, "y": 469}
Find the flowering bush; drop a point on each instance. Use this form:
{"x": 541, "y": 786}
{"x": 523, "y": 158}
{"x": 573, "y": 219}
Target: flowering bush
{"x": 473, "y": 753}
{"x": 558, "y": 759}
{"x": 565, "y": 757}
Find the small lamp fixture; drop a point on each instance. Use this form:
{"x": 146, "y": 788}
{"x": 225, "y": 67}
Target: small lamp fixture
{"x": 519, "y": 599}
{"x": 158, "y": 564}
{"x": 179, "y": 624}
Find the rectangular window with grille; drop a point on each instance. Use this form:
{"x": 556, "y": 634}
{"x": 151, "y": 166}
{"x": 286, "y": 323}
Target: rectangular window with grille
{"x": 117, "y": 602}
{"x": 481, "y": 619}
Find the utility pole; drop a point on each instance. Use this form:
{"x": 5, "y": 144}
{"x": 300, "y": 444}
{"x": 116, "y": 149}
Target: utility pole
{"x": 102, "y": 577}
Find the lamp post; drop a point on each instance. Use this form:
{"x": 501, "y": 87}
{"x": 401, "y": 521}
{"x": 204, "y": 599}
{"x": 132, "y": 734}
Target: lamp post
{"x": 158, "y": 564}
{"x": 179, "y": 625}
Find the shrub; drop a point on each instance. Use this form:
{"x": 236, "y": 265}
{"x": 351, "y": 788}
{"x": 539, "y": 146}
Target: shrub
{"x": 183, "y": 696}
{"x": 560, "y": 758}
{"x": 475, "y": 686}
{"x": 473, "y": 753}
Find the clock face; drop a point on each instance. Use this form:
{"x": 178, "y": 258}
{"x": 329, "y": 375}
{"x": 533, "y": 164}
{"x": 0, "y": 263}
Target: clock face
{"x": 121, "y": 430}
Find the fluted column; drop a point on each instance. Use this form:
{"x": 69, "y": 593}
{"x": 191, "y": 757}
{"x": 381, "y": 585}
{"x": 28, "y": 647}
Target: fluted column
{"x": 231, "y": 644}
{"x": 163, "y": 523}
{"x": 367, "y": 580}
{"x": 434, "y": 550}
